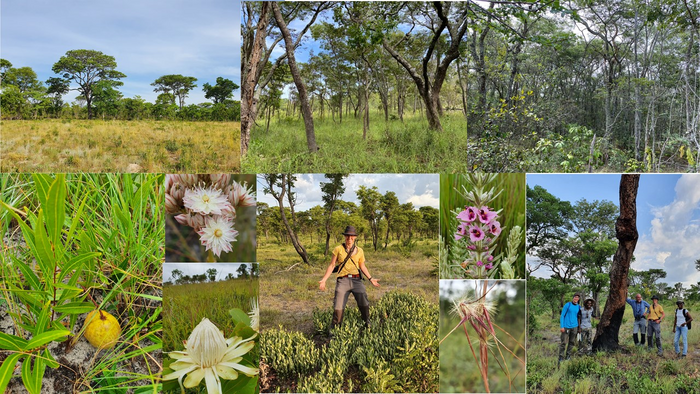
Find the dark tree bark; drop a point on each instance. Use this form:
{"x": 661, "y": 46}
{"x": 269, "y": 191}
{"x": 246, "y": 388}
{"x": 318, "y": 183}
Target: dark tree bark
{"x": 606, "y": 336}
{"x": 298, "y": 81}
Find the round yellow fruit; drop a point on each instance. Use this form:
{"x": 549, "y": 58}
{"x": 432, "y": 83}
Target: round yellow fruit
{"x": 102, "y": 331}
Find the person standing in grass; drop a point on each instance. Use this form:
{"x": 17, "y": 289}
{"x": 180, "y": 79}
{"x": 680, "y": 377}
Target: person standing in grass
{"x": 349, "y": 262}
{"x": 640, "y": 308}
{"x": 656, "y": 316}
{"x": 586, "y": 319}
{"x": 680, "y": 328}
{"x": 569, "y": 324}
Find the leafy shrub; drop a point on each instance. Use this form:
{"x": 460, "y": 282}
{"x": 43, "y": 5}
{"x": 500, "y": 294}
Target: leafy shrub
{"x": 289, "y": 353}
{"x": 581, "y": 367}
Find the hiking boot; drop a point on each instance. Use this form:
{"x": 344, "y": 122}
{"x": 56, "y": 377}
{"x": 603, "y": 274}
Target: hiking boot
{"x": 660, "y": 353}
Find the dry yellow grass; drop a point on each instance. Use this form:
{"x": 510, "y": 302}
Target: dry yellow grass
{"x": 119, "y": 146}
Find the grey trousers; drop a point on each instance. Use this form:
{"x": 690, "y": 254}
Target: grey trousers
{"x": 585, "y": 345}
{"x": 569, "y": 335}
{"x": 654, "y": 329}
{"x": 640, "y": 326}
{"x": 343, "y": 287}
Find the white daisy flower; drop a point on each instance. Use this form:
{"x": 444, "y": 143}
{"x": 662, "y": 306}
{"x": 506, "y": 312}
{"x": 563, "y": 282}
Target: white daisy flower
{"x": 209, "y": 356}
{"x": 240, "y": 195}
{"x": 206, "y": 201}
{"x": 218, "y": 234}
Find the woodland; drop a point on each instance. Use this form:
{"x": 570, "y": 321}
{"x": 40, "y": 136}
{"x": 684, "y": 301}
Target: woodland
{"x": 95, "y": 76}
{"x": 546, "y": 85}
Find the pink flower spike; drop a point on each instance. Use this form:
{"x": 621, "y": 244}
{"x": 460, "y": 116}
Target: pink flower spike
{"x": 489, "y": 259}
{"x": 471, "y": 247}
{"x": 488, "y": 266}
{"x": 495, "y": 227}
{"x": 486, "y": 215}
{"x": 479, "y": 264}
{"x": 476, "y": 233}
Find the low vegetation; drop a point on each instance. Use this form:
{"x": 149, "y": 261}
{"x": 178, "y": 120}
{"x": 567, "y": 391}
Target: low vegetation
{"x": 119, "y": 146}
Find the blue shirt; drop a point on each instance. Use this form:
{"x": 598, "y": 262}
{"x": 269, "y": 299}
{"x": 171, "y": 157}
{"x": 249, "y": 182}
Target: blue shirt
{"x": 569, "y": 315}
{"x": 639, "y": 308}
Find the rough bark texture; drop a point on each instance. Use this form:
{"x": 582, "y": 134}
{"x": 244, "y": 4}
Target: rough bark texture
{"x": 606, "y": 336}
{"x": 249, "y": 101}
{"x": 298, "y": 81}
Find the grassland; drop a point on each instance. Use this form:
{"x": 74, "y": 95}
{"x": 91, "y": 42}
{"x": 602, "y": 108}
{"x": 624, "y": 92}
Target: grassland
{"x": 630, "y": 370}
{"x": 291, "y": 295}
{"x": 119, "y": 146}
{"x": 184, "y": 306}
{"x": 390, "y": 147}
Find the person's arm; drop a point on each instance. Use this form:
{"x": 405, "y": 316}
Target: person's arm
{"x": 663, "y": 314}
{"x": 675, "y": 319}
{"x": 648, "y": 311}
{"x": 329, "y": 271}
{"x": 579, "y": 319}
{"x": 561, "y": 318}
{"x": 363, "y": 268}
{"x": 688, "y": 318}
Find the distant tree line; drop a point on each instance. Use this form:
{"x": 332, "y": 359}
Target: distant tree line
{"x": 94, "y": 75}
{"x": 243, "y": 272}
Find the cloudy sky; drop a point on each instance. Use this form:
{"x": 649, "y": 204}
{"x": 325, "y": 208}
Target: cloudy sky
{"x": 668, "y": 217}
{"x": 420, "y": 189}
{"x": 222, "y": 269}
{"x": 148, "y": 38}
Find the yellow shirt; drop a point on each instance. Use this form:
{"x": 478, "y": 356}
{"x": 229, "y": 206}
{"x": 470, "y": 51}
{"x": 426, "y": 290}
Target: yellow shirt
{"x": 655, "y": 312}
{"x": 352, "y": 267}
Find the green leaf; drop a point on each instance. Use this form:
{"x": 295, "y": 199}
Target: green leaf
{"x": 49, "y": 360}
{"x": 44, "y": 338}
{"x": 11, "y": 342}
{"x": 239, "y": 316}
{"x": 43, "y": 319}
{"x": 76, "y": 262}
{"x": 32, "y": 380}
{"x": 28, "y": 273}
{"x": 243, "y": 385}
{"x": 8, "y": 366}
{"x": 141, "y": 198}
{"x": 56, "y": 208}
{"x": 43, "y": 184}
{"x": 43, "y": 250}
{"x": 75, "y": 220}
{"x": 73, "y": 308}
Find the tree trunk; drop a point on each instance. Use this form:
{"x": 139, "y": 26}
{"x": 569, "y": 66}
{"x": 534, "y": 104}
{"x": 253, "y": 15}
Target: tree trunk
{"x": 606, "y": 337}
{"x": 292, "y": 235}
{"x": 298, "y": 81}
{"x": 249, "y": 101}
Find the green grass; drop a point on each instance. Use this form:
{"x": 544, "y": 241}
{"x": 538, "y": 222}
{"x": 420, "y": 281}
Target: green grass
{"x": 187, "y": 304}
{"x": 291, "y": 295}
{"x": 102, "y": 244}
{"x": 630, "y": 370}
{"x": 54, "y": 145}
{"x": 390, "y": 147}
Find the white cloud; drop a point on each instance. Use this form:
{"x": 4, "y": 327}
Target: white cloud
{"x": 427, "y": 198}
{"x": 673, "y": 242}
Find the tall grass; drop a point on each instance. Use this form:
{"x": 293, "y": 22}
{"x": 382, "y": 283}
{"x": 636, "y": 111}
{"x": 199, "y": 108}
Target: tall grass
{"x": 54, "y": 145}
{"x": 511, "y": 201}
{"x": 390, "y": 147}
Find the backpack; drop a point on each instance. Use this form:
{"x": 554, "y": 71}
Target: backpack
{"x": 685, "y": 314}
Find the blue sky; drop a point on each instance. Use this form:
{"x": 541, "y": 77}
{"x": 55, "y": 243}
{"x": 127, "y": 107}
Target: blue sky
{"x": 148, "y": 38}
{"x": 668, "y": 217}
{"x": 419, "y": 189}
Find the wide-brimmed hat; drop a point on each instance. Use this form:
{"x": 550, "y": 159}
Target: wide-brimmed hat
{"x": 350, "y": 230}
{"x": 589, "y": 299}
{"x": 654, "y": 297}
{"x": 679, "y": 302}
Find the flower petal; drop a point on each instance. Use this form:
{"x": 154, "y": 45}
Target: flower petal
{"x": 226, "y": 372}
{"x": 194, "y": 378}
{"x": 246, "y": 370}
{"x": 238, "y": 351}
{"x": 213, "y": 382}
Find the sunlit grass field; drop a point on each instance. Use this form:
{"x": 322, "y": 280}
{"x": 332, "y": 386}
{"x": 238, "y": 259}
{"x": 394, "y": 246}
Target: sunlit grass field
{"x": 390, "y": 147}
{"x": 55, "y": 145}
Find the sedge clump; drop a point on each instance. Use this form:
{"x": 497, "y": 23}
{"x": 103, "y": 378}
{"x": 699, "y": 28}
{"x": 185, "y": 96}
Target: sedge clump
{"x": 103, "y": 330}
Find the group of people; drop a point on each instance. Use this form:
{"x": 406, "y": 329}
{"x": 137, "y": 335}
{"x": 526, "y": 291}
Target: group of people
{"x": 576, "y": 320}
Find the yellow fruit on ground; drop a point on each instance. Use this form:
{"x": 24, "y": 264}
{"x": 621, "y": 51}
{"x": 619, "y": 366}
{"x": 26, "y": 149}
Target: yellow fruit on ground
{"x": 103, "y": 330}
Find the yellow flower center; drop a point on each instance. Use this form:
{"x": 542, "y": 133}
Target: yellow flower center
{"x": 205, "y": 198}
{"x": 218, "y": 233}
